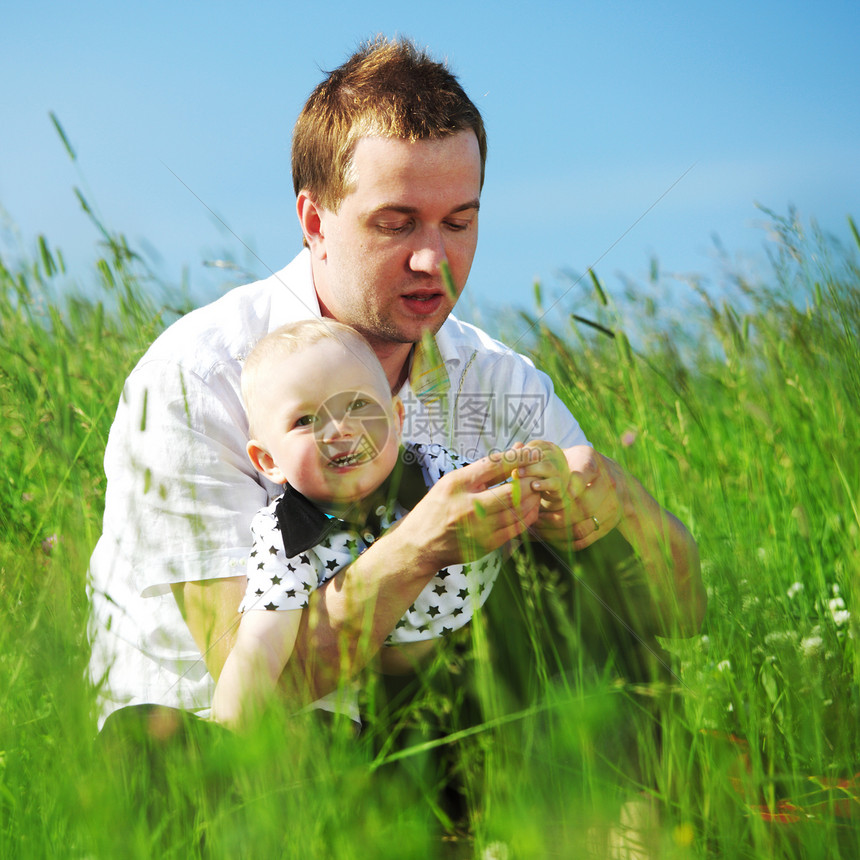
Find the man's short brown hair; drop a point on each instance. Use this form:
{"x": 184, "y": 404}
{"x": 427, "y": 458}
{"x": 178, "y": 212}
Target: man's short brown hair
{"x": 388, "y": 88}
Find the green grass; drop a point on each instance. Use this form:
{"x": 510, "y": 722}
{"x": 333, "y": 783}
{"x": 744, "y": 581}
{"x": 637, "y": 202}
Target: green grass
{"x": 749, "y": 431}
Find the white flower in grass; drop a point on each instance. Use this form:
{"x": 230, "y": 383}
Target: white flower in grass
{"x": 811, "y": 645}
{"x": 838, "y": 612}
{"x": 724, "y": 666}
{"x": 749, "y": 601}
{"x": 782, "y": 637}
{"x": 794, "y": 589}
{"x": 496, "y": 851}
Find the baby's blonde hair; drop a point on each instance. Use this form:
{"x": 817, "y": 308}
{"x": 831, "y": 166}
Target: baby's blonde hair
{"x": 291, "y": 338}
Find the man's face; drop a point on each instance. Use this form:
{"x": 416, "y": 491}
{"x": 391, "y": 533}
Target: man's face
{"x": 377, "y": 259}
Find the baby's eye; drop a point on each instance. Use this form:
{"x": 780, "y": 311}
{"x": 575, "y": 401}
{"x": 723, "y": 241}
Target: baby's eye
{"x": 358, "y": 403}
{"x": 306, "y": 420}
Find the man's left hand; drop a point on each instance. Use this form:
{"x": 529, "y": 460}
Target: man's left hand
{"x": 592, "y": 507}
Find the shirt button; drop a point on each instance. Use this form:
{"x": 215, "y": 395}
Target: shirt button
{"x": 368, "y": 537}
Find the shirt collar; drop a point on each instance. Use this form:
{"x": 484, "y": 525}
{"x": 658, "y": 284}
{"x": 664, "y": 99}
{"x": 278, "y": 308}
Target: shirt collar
{"x": 297, "y": 299}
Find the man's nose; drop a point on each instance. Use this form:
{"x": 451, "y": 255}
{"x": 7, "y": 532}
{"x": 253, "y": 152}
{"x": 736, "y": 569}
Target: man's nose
{"x": 428, "y": 252}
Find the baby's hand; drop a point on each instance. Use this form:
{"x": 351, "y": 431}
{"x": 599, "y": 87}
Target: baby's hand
{"x": 548, "y": 474}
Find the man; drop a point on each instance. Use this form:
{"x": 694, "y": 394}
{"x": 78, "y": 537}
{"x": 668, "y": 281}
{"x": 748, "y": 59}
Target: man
{"x": 388, "y": 166}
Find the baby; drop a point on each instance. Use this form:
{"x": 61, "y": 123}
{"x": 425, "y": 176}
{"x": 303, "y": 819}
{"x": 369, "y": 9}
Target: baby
{"x": 324, "y": 424}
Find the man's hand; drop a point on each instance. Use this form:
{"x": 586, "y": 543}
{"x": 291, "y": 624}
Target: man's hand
{"x": 547, "y": 473}
{"x": 582, "y": 503}
{"x": 471, "y": 511}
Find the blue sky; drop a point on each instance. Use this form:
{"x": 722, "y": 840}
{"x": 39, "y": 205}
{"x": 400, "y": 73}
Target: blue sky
{"x": 596, "y": 112}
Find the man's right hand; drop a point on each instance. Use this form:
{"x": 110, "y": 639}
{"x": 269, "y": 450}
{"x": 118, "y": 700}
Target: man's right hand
{"x": 471, "y": 511}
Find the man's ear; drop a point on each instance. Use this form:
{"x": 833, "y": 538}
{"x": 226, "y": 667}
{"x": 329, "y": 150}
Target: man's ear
{"x": 264, "y": 463}
{"x": 310, "y": 219}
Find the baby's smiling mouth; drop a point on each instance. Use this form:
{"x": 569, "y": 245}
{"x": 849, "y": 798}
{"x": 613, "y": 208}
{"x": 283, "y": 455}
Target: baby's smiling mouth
{"x": 347, "y": 458}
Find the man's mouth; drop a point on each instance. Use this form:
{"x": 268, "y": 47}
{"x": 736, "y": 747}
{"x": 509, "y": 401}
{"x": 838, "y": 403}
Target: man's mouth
{"x": 423, "y": 302}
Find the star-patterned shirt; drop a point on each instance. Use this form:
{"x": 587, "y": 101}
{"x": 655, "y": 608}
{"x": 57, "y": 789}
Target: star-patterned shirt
{"x": 298, "y": 547}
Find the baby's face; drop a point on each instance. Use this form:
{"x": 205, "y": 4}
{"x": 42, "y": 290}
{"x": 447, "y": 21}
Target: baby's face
{"x": 329, "y": 423}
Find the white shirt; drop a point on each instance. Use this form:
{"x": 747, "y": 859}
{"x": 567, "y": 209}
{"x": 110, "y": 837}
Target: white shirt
{"x": 181, "y": 492}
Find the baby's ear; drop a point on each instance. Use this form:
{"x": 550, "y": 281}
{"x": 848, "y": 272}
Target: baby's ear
{"x": 264, "y": 463}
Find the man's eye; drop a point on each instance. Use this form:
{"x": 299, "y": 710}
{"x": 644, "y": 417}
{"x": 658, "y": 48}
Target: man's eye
{"x": 393, "y": 229}
{"x": 306, "y": 420}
